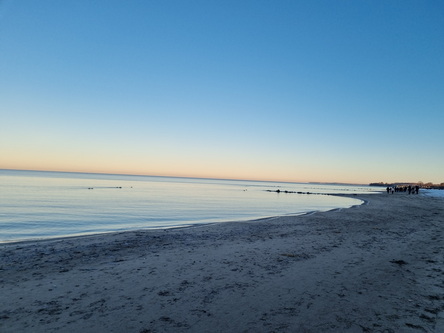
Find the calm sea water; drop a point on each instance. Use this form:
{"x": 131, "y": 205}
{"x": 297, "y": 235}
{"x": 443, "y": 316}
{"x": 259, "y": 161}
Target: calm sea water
{"x": 35, "y": 205}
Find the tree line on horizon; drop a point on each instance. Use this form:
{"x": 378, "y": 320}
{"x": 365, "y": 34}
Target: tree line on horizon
{"x": 420, "y": 184}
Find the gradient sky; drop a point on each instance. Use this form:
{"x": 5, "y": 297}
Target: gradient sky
{"x": 329, "y": 91}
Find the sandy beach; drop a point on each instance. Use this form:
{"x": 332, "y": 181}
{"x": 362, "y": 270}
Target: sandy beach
{"x": 377, "y": 267}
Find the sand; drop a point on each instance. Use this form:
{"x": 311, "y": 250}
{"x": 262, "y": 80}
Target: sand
{"x": 378, "y": 267}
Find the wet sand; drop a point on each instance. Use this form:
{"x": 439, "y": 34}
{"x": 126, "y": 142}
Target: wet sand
{"x": 378, "y": 267}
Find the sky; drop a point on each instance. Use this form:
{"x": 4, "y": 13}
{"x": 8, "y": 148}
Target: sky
{"x": 299, "y": 91}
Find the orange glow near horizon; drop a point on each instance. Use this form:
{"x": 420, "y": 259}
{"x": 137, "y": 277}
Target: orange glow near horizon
{"x": 326, "y": 169}
{"x": 188, "y": 172}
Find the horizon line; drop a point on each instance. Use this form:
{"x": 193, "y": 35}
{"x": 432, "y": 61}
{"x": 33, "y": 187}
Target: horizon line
{"x": 186, "y": 177}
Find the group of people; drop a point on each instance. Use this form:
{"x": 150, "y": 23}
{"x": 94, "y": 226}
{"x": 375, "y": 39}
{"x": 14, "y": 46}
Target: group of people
{"x": 411, "y": 189}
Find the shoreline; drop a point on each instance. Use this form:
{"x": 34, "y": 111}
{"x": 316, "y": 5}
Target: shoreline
{"x": 188, "y": 225}
{"x": 374, "y": 267}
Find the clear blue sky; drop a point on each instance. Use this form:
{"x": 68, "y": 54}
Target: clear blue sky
{"x": 346, "y": 91}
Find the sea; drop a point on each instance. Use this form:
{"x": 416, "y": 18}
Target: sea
{"x": 41, "y": 205}
{"x": 433, "y": 193}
